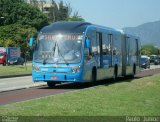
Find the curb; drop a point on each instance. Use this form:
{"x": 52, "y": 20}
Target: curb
{"x": 11, "y": 76}
{"x": 21, "y": 88}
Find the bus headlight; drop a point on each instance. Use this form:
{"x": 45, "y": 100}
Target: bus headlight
{"x": 35, "y": 68}
{"x": 76, "y": 69}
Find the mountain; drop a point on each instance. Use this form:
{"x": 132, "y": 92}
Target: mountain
{"x": 149, "y": 33}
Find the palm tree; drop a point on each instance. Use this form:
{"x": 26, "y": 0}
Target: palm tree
{"x": 59, "y": 11}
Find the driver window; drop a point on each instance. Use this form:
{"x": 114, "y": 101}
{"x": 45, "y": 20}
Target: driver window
{"x": 94, "y": 45}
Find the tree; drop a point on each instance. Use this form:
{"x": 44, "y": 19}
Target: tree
{"x": 149, "y": 50}
{"x": 20, "y": 21}
{"x": 75, "y": 17}
{"x": 59, "y": 11}
{"x": 53, "y": 14}
{"x": 16, "y": 35}
{"x": 62, "y": 12}
{"x": 17, "y": 11}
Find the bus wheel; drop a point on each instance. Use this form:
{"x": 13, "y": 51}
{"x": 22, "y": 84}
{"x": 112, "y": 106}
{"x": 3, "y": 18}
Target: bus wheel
{"x": 51, "y": 84}
{"x": 115, "y": 75}
{"x": 134, "y": 71}
{"x": 94, "y": 76}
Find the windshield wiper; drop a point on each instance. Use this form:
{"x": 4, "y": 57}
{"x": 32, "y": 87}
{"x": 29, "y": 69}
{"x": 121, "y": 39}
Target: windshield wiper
{"x": 59, "y": 52}
{"x": 54, "y": 48}
{"x": 44, "y": 61}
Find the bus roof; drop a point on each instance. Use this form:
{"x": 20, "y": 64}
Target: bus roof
{"x": 66, "y": 27}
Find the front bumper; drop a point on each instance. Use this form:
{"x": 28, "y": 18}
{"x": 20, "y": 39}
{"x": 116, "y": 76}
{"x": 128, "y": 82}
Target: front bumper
{"x": 58, "y": 77}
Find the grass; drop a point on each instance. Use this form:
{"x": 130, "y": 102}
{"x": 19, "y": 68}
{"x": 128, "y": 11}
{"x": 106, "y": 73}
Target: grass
{"x": 138, "y": 97}
{"x": 14, "y": 70}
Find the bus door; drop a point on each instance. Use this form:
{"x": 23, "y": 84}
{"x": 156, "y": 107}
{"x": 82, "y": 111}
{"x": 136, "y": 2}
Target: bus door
{"x": 100, "y": 50}
{"x": 127, "y": 50}
{"x": 110, "y": 39}
{"x": 129, "y": 67}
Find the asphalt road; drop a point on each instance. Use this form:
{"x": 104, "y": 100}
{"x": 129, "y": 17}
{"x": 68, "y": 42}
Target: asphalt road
{"x": 7, "y": 84}
{"x": 25, "y": 91}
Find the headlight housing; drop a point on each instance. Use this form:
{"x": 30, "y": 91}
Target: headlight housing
{"x": 35, "y": 68}
{"x": 76, "y": 69}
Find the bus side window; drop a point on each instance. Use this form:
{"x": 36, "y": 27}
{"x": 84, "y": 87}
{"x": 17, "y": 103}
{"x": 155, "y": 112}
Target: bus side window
{"x": 94, "y": 45}
{"x": 105, "y": 44}
{"x": 114, "y": 51}
{"x": 117, "y": 45}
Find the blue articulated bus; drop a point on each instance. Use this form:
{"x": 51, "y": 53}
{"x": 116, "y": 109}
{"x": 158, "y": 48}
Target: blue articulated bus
{"x": 83, "y": 52}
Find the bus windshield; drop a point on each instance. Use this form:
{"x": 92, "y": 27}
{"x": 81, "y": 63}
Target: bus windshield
{"x": 58, "y": 49}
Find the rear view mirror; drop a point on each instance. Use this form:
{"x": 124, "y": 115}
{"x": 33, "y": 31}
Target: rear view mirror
{"x": 31, "y": 41}
{"x": 88, "y": 43}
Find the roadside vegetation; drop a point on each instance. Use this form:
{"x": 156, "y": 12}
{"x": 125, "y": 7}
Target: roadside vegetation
{"x": 20, "y": 20}
{"x": 14, "y": 70}
{"x": 150, "y": 49}
{"x": 138, "y": 97}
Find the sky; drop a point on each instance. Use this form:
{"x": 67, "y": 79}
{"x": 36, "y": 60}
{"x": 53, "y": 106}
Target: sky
{"x": 117, "y": 13}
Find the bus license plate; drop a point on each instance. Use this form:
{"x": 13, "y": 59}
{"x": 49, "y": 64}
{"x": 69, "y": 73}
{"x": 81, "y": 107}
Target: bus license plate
{"x": 54, "y": 78}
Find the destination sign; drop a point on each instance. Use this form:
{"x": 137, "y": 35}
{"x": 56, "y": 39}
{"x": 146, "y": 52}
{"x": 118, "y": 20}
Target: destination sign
{"x": 61, "y": 37}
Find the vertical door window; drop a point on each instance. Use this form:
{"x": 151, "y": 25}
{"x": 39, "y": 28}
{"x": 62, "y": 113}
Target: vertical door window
{"x": 100, "y": 54}
{"x": 110, "y": 46}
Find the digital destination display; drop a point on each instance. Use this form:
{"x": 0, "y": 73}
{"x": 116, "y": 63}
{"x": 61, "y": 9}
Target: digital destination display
{"x": 60, "y": 37}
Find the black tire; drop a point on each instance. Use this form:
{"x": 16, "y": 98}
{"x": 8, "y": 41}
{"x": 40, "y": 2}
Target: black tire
{"x": 132, "y": 75}
{"x": 134, "y": 71}
{"x": 94, "y": 76}
{"x": 115, "y": 75}
{"x": 51, "y": 84}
